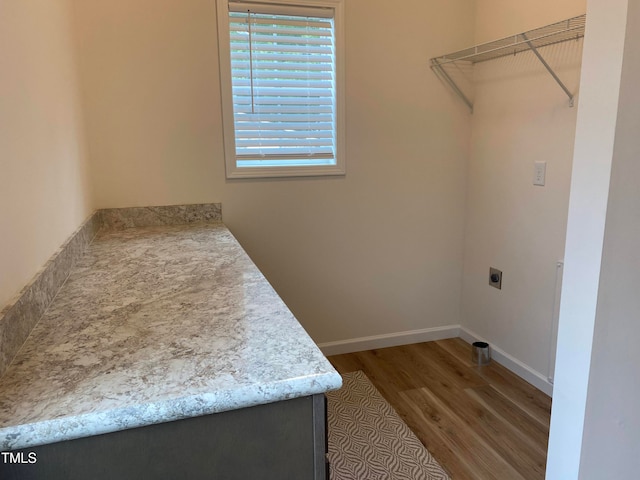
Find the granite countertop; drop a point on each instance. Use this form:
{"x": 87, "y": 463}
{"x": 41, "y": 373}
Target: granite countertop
{"x": 156, "y": 324}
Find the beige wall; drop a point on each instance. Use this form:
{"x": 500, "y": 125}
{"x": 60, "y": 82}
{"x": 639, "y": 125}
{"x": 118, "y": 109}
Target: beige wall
{"x": 149, "y": 73}
{"x": 521, "y": 116}
{"x": 500, "y": 18}
{"x": 375, "y": 252}
{"x": 380, "y": 250}
{"x": 44, "y": 185}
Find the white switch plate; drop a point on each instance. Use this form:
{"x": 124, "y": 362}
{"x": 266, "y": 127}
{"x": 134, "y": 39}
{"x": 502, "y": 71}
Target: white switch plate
{"x": 539, "y": 172}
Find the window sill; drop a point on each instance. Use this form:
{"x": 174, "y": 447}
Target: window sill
{"x": 281, "y": 172}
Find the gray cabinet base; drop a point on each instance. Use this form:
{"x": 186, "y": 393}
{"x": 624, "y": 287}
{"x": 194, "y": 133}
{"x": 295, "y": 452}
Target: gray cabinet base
{"x": 277, "y": 441}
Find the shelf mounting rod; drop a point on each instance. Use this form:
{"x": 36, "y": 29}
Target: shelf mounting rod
{"x": 437, "y": 67}
{"x": 549, "y": 69}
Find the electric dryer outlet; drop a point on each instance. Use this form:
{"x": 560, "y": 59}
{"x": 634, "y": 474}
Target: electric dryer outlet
{"x": 495, "y": 278}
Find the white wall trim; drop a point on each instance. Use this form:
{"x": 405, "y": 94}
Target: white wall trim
{"x": 360, "y": 344}
{"x": 389, "y": 340}
{"x": 524, "y": 371}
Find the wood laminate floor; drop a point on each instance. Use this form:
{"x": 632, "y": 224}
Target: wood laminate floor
{"x": 478, "y": 422}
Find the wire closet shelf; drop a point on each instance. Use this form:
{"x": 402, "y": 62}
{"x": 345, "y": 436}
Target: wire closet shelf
{"x": 531, "y": 40}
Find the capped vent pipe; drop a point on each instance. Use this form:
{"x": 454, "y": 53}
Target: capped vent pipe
{"x": 480, "y": 353}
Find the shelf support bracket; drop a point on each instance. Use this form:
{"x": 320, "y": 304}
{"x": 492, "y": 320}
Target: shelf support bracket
{"x": 445, "y": 76}
{"x": 549, "y": 69}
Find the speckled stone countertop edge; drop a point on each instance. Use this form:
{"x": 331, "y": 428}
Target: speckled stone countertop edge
{"x": 320, "y": 377}
{"x": 103, "y": 422}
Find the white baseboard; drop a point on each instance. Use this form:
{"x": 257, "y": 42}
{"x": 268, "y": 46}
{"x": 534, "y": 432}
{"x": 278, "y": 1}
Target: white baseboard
{"x": 438, "y": 333}
{"x": 389, "y": 340}
{"x": 516, "y": 366}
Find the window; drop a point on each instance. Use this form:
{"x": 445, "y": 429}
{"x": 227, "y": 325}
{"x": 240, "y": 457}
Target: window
{"x": 281, "y": 78}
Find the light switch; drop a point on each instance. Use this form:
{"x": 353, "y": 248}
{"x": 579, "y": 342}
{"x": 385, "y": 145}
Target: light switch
{"x": 539, "y": 172}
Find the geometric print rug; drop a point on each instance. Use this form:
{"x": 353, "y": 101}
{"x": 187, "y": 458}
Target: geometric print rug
{"x": 369, "y": 441}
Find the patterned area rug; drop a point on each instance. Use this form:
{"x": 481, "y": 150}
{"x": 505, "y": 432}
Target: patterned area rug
{"x": 369, "y": 441}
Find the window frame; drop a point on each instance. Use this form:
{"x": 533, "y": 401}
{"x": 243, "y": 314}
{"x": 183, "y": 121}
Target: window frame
{"x": 226, "y": 88}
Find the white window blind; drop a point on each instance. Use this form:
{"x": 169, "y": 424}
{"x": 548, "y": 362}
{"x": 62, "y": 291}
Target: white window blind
{"x": 283, "y": 84}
